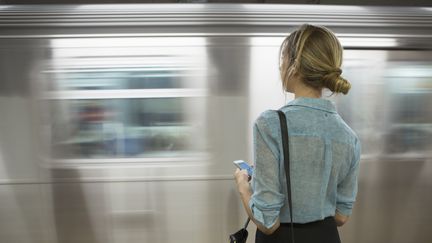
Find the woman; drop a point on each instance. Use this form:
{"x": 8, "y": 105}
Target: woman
{"x": 324, "y": 151}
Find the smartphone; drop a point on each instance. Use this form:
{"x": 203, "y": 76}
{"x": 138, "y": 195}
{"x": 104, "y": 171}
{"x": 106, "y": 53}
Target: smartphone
{"x": 242, "y": 165}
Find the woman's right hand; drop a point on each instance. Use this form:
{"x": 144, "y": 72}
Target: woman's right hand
{"x": 340, "y": 219}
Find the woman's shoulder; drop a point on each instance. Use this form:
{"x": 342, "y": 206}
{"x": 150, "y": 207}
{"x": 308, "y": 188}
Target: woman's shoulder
{"x": 267, "y": 128}
{"x": 349, "y": 131}
{"x": 268, "y": 122}
{"x": 267, "y": 115}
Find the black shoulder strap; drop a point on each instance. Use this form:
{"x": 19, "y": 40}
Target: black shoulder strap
{"x": 285, "y": 145}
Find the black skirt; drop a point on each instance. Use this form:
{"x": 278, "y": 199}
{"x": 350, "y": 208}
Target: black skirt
{"x": 323, "y": 231}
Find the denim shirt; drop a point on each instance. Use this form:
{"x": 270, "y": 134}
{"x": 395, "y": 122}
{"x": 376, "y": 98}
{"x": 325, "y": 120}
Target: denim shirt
{"x": 324, "y": 161}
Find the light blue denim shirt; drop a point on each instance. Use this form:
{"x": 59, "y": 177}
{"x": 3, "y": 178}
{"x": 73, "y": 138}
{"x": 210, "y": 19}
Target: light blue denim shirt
{"x": 324, "y": 157}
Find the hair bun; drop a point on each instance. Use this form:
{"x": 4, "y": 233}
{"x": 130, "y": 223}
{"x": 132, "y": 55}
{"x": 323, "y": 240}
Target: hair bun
{"x": 333, "y": 81}
{"x": 332, "y": 75}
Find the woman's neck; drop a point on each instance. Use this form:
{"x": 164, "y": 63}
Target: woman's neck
{"x": 301, "y": 90}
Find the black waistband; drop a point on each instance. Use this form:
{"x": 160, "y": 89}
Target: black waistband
{"x": 329, "y": 219}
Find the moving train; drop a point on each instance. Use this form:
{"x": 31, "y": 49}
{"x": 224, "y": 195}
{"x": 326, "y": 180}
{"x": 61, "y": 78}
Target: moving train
{"x": 119, "y": 123}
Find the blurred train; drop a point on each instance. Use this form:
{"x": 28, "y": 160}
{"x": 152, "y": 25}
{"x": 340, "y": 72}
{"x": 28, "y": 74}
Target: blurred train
{"x": 119, "y": 123}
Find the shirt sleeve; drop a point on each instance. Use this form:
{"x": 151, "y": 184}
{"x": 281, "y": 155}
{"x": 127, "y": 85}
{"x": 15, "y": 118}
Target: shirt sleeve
{"x": 267, "y": 199}
{"x": 347, "y": 188}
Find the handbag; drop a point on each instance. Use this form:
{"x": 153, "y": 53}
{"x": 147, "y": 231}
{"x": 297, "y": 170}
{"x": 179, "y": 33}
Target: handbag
{"x": 241, "y": 235}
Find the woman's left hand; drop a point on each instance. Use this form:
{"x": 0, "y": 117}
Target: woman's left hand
{"x": 242, "y": 180}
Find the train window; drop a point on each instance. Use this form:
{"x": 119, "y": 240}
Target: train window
{"x": 125, "y": 98}
{"x": 126, "y": 127}
{"x": 411, "y": 88}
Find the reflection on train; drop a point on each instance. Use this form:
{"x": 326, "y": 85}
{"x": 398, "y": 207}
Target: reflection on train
{"x": 121, "y": 126}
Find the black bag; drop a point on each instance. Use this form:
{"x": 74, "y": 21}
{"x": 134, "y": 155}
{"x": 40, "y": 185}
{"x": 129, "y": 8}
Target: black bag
{"x": 241, "y": 235}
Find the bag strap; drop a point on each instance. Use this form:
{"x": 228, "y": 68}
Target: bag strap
{"x": 285, "y": 145}
{"x": 246, "y": 223}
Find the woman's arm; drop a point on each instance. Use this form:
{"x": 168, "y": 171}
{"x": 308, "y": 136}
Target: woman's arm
{"x": 347, "y": 189}
{"x": 263, "y": 198}
{"x": 245, "y": 191}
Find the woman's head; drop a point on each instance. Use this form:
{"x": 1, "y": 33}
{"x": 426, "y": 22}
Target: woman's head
{"x": 313, "y": 55}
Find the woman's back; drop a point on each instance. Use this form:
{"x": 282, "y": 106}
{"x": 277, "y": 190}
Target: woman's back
{"x": 324, "y": 154}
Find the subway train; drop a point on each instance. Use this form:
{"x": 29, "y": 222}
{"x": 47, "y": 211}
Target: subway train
{"x": 119, "y": 123}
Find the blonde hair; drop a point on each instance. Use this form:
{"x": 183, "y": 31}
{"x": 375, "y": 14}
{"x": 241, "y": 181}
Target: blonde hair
{"x": 314, "y": 53}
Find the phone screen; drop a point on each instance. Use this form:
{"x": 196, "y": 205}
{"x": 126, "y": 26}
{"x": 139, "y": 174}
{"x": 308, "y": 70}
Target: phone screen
{"x": 244, "y": 166}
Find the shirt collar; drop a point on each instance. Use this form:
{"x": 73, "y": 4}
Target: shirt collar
{"x": 314, "y": 103}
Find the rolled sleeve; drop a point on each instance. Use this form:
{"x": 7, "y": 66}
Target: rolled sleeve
{"x": 267, "y": 199}
{"x": 347, "y": 188}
